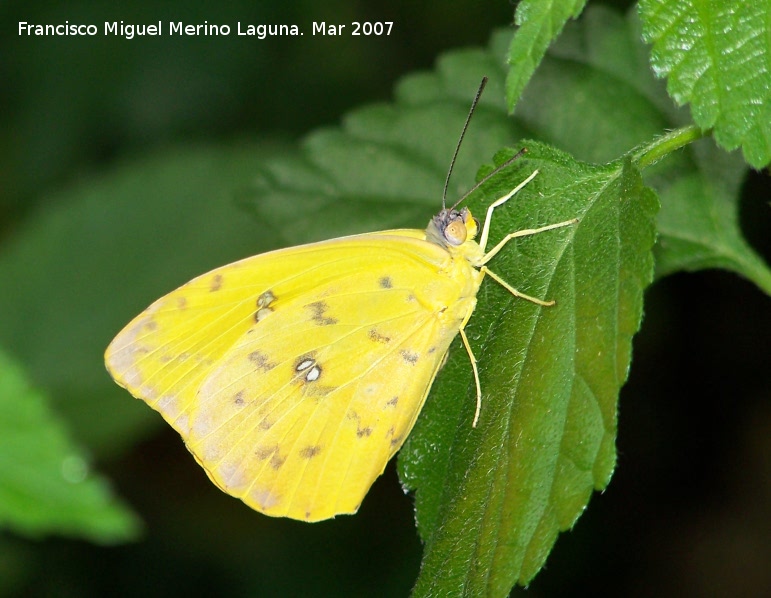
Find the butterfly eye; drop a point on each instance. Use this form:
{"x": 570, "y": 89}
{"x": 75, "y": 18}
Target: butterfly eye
{"x": 455, "y": 233}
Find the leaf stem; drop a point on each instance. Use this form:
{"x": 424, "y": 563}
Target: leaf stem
{"x": 650, "y": 153}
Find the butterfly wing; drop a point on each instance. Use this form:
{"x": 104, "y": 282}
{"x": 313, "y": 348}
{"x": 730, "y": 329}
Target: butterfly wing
{"x": 295, "y": 375}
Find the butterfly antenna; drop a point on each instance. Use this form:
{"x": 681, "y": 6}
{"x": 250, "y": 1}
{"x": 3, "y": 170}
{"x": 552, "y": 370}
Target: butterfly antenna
{"x": 489, "y": 176}
{"x": 460, "y": 140}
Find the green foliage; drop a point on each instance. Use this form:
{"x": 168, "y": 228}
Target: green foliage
{"x": 539, "y": 25}
{"x": 594, "y": 96}
{"x": 46, "y": 485}
{"x": 698, "y": 227}
{"x": 716, "y": 56}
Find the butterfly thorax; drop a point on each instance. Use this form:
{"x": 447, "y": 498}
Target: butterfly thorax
{"x": 455, "y": 230}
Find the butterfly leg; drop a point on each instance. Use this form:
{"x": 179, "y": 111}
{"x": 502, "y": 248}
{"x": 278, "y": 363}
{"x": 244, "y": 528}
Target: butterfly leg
{"x": 523, "y": 233}
{"x": 520, "y": 233}
{"x": 485, "y": 270}
{"x": 473, "y": 359}
{"x": 495, "y": 204}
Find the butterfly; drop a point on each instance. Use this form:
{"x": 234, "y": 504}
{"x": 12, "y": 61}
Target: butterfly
{"x": 295, "y": 375}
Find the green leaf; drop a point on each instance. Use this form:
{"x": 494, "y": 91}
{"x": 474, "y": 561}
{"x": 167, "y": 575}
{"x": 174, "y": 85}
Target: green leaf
{"x": 46, "y": 486}
{"x": 539, "y": 23}
{"x": 717, "y": 57}
{"x": 594, "y": 95}
{"x": 550, "y": 378}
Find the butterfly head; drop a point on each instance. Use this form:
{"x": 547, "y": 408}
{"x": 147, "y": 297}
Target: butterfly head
{"x": 452, "y": 228}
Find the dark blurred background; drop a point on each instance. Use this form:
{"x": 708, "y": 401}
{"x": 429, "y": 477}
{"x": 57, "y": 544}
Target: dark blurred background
{"x": 687, "y": 511}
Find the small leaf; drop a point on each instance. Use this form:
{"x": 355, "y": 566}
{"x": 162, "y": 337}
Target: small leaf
{"x": 46, "y": 486}
{"x": 717, "y": 57}
{"x": 550, "y": 378}
{"x": 539, "y": 24}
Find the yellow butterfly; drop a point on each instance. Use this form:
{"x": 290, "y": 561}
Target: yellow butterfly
{"x": 295, "y": 375}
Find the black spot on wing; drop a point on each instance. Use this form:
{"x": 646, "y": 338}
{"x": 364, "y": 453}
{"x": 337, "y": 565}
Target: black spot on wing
{"x": 263, "y": 452}
{"x": 409, "y": 356}
{"x": 272, "y": 453}
{"x": 318, "y": 313}
{"x": 264, "y": 308}
{"x": 261, "y": 361}
{"x": 308, "y": 369}
{"x": 266, "y": 298}
{"x": 361, "y": 432}
{"x": 310, "y": 451}
{"x": 375, "y": 336}
{"x": 395, "y": 440}
{"x": 385, "y": 282}
{"x": 216, "y": 283}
